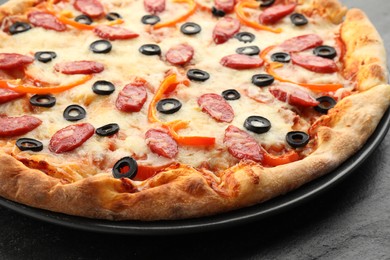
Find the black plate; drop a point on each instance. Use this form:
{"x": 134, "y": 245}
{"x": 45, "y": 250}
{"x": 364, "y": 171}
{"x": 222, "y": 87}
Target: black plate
{"x": 254, "y": 213}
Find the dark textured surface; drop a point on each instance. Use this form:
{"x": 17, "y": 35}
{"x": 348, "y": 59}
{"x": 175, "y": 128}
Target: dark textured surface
{"x": 349, "y": 221}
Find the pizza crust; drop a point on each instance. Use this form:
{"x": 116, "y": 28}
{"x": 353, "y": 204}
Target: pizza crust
{"x": 183, "y": 192}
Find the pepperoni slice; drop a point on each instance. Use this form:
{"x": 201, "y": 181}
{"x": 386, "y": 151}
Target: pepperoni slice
{"x": 46, "y": 20}
{"x": 275, "y": 13}
{"x": 225, "y": 29}
{"x": 241, "y": 145}
{"x": 132, "y": 97}
{"x": 8, "y": 95}
{"x": 92, "y": 8}
{"x": 293, "y": 95}
{"x": 79, "y": 67}
{"x": 154, "y": 6}
{"x": 180, "y": 54}
{"x": 217, "y": 107}
{"x": 225, "y": 5}
{"x": 14, "y": 60}
{"x": 314, "y": 63}
{"x": 14, "y": 126}
{"x": 160, "y": 142}
{"x": 70, "y": 137}
{"x": 114, "y": 32}
{"x": 241, "y": 61}
{"x": 301, "y": 43}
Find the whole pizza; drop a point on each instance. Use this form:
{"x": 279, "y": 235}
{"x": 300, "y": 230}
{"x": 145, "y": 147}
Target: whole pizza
{"x": 172, "y": 109}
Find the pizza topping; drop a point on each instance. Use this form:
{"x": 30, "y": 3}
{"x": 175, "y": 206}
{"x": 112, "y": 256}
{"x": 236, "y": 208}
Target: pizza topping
{"x": 298, "y": 19}
{"x": 150, "y": 49}
{"x": 231, "y": 94}
{"x": 79, "y": 67}
{"x": 101, "y": 46}
{"x": 103, "y": 87}
{"x": 125, "y": 168}
{"x": 160, "y": 142}
{"x": 266, "y": 3}
{"x": 245, "y": 37}
{"x": 180, "y": 54}
{"x": 216, "y": 107}
{"x": 154, "y": 6}
{"x": 112, "y": 16}
{"x": 293, "y": 95}
{"x": 168, "y": 106}
{"x": 74, "y": 113}
{"x": 218, "y": 13}
{"x": 275, "y": 13}
{"x": 150, "y": 19}
{"x": 314, "y": 63}
{"x": 14, "y": 60}
{"x": 325, "y": 51}
{"x": 45, "y": 56}
{"x": 240, "y": 61}
{"x": 43, "y": 100}
{"x": 225, "y": 29}
{"x": 281, "y": 57}
{"x": 7, "y": 95}
{"x": 257, "y": 124}
{"x": 19, "y": 27}
{"x": 198, "y": 75}
{"x": 190, "y": 28}
{"x": 132, "y": 97}
{"x": 84, "y": 19}
{"x": 29, "y": 144}
{"x": 262, "y": 80}
{"x": 248, "y": 50}
{"x": 297, "y": 139}
{"x": 107, "y": 130}
{"x": 114, "y": 33}
{"x": 46, "y": 20}
{"x": 325, "y": 104}
{"x": 301, "y": 43}
{"x": 14, "y": 126}
{"x": 241, "y": 145}
{"x": 226, "y": 6}
{"x": 70, "y": 137}
{"x": 92, "y": 8}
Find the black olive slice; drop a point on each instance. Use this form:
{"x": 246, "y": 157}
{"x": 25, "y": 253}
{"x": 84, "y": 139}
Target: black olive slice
{"x": 257, "y": 124}
{"x": 262, "y": 80}
{"x": 245, "y": 37}
{"x": 150, "y": 19}
{"x": 326, "y": 103}
{"x": 325, "y": 52}
{"x": 113, "y": 16}
{"x": 298, "y": 19}
{"x": 84, "y": 19}
{"x": 216, "y": 12}
{"x": 266, "y": 3}
{"x": 231, "y": 94}
{"x": 197, "y": 75}
{"x": 125, "y": 168}
{"x": 150, "y": 49}
{"x": 190, "y": 28}
{"x": 19, "y": 27}
{"x": 29, "y": 144}
{"x": 168, "y": 106}
{"x": 107, "y": 130}
{"x": 43, "y": 100}
{"x": 281, "y": 57}
{"x": 297, "y": 139}
{"x": 248, "y": 50}
{"x": 74, "y": 113}
{"x": 101, "y": 46}
{"x": 45, "y": 56}
{"x": 102, "y": 87}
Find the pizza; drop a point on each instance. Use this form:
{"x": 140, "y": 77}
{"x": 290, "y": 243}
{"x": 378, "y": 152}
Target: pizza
{"x": 172, "y": 109}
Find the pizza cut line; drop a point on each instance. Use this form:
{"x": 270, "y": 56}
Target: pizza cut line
{"x": 175, "y": 109}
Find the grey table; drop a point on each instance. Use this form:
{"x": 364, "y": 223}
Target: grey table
{"x": 349, "y": 221}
